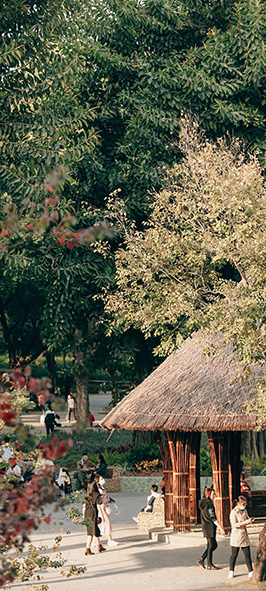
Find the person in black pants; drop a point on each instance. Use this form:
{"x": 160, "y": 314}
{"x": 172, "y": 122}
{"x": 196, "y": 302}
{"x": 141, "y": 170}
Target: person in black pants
{"x": 209, "y": 525}
{"x": 239, "y": 519}
{"x": 51, "y": 420}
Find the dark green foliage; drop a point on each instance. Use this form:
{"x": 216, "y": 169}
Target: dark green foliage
{"x": 148, "y": 62}
{"x": 94, "y": 442}
{"x": 258, "y": 465}
{"x": 143, "y": 452}
{"x": 205, "y": 462}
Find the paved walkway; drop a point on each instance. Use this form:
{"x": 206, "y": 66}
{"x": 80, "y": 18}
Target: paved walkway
{"x": 98, "y": 402}
{"x": 137, "y": 563}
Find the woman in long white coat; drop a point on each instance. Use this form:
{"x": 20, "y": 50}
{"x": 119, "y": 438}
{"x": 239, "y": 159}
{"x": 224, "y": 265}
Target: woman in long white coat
{"x": 105, "y": 511}
{"x": 239, "y": 536}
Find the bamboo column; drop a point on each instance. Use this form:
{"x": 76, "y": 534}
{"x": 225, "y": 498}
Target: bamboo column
{"x": 218, "y": 442}
{"x": 179, "y": 447}
{"x": 234, "y": 465}
{"x": 194, "y": 477}
{"x": 168, "y": 478}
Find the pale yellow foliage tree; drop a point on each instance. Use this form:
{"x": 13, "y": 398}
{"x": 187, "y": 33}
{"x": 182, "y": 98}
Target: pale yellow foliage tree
{"x": 200, "y": 259}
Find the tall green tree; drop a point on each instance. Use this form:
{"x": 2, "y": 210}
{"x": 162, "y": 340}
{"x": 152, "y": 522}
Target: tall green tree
{"x": 45, "y": 133}
{"x": 150, "y": 61}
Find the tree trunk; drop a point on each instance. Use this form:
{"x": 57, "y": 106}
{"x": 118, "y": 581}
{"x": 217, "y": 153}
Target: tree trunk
{"x": 261, "y": 437}
{"x": 7, "y": 338}
{"x": 255, "y": 448}
{"x": 51, "y": 366}
{"x": 82, "y": 391}
{"x": 143, "y": 437}
{"x": 259, "y": 567}
{"x": 114, "y": 381}
{"x": 246, "y": 444}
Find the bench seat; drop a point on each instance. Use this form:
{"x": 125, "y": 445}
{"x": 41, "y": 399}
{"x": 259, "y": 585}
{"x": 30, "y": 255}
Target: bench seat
{"x": 149, "y": 519}
{"x": 256, "y": 503}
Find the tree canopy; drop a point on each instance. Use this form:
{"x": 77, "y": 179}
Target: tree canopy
{"x": 200, "y": 259}
{"x": 149, "y": 61}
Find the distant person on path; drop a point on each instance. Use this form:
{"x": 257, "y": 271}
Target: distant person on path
{"x": 91, "y": 419}
{"x": 101, "y": 467}
{"x": 51, "y": 420}
{"x": 84, "y": 468}
{"x": 93, "y": 502}
{"x": 209, "y": 524}
{"x": 239, "y": 537}
{"x": 71, "y": 407}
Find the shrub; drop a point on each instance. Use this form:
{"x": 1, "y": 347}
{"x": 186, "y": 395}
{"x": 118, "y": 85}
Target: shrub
{"x": 143, "y": 453}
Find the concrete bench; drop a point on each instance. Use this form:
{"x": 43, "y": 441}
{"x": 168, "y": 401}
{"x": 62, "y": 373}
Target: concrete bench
{"x": 112, "y": 481}
{"x": 256, "y": 503}
{"x": 149, "y": 519}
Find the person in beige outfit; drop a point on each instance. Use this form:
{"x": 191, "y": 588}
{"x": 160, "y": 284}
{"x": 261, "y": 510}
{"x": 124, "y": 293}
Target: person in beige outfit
{"x": 239, "y": 537}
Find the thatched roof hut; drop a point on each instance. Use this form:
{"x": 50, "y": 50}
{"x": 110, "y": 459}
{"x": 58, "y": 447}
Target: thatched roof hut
{"x": 200, "y": 387}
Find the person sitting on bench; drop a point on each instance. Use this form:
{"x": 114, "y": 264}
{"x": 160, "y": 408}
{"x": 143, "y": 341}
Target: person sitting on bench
{"x": 84, "y": 468}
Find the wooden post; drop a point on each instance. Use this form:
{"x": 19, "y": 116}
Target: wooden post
{"x": 180, "y": 454}
{"x": 168, "y": 478}
{"x": 194, "y": 477}
{"x": 218, "y": 442}
{"x": 168, "y": 475}
{"x": 234, "y": 465}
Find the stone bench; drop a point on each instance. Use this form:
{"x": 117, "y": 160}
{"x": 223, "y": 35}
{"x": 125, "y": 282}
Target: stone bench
{"x": 149, "y": 519}
{"x": 112, "y": 481}
{"x": 256, "y": 503}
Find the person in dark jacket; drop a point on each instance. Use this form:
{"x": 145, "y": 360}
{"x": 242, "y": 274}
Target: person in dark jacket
{"x": 101, "y": 467}
{"x": 51, "y": 420}
{"x": 209, "y": 524}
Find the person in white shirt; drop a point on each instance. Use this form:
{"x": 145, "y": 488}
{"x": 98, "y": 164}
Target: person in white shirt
{"x": 6, "y": 450}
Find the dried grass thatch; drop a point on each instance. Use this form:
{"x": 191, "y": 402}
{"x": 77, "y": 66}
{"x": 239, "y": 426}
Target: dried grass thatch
{"x": 200, "y": 387}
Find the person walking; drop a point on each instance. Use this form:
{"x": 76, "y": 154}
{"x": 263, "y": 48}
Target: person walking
{"x": 71, "y": 407}
{"x": 105, "y": 511}
{"x": 51, "y": 420}
{"x": 239, "y": 537}
{"x": 209, "y": 525}
{"x": 93, "y": 502}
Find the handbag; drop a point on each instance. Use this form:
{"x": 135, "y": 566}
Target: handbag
{"x": 99, "y": 520}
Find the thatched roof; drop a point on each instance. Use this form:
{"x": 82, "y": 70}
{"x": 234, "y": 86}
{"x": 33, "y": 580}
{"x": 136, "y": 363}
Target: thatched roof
{"x": 200, "y": 387}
